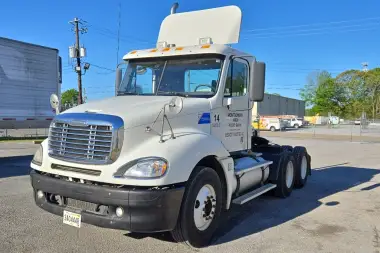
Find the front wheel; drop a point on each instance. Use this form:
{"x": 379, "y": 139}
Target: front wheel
{"x": 200, "y": 210}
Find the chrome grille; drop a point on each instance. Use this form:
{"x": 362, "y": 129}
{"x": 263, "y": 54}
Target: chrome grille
{"x": 89, "y": 142}
{"x": 85, "y": 138}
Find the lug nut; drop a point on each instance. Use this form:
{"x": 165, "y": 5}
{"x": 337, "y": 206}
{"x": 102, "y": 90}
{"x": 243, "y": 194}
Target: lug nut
{"x": 204, "y": 215}
{"x": 214, "y": 206}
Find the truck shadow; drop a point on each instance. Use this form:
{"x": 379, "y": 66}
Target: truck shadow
{"x": 15, "y": 166}
{"x": 267, "y": 211}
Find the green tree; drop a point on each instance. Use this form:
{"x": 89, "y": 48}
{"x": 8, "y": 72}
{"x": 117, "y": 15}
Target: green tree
{"x": 372, "y": 84}
{"x": 314, "y": 80}
{"x": 70, "y": 97}
{"x": 330, "y": 97}
{"x": 347, "y": 95}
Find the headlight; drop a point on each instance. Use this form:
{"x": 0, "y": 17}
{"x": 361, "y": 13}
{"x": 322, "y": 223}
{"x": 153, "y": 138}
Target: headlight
{"x": 150, "y": 167}
{"x": 37, "y": 158}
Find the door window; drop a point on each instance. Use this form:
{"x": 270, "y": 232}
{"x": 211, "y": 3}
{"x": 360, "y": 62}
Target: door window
{"x": 237, "y": 79}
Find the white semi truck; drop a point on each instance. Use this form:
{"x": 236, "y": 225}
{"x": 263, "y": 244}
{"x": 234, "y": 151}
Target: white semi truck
{"x": 29, "y": 74}
{"x": 174, "y": 148}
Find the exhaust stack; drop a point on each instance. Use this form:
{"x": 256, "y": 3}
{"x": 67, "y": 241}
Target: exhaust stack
{"x": 174, "y": 8}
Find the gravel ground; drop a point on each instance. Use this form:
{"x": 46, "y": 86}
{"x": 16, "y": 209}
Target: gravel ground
{"x": 338, "y": 211}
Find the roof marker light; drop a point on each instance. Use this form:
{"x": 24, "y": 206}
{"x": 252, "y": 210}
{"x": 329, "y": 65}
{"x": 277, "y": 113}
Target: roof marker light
{"x": 162, "y": 44}
{"x": 204, "y": 41}
{"x": 153, "y": 50}
{"x": 133, "y": 52}
{"x": 205, "y": 46}
{"x": 179, "y": 48}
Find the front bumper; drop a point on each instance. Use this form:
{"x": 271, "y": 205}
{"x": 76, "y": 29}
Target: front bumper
{"x": 145, "y": 210}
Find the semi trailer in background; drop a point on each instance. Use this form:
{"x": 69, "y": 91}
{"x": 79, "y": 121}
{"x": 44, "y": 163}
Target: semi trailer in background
{"x": 29, "y": 74}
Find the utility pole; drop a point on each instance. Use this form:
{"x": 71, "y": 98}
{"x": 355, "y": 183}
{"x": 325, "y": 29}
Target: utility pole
{"x": 365, "y": 66}
{"x": 78, "y": 52}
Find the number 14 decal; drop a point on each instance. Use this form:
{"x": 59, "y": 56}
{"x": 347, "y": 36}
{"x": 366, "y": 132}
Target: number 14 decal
{"x": 216, "y": 117}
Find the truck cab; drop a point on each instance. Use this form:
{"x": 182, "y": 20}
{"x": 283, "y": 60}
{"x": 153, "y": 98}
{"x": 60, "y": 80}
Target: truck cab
{"x": 174, "y": 146}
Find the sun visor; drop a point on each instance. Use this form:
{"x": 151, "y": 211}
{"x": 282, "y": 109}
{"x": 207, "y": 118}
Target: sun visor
{"x": 216, "y": 26}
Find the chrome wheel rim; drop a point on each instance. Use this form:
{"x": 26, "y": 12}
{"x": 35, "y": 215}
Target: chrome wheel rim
{"x": 204, "y": 207}
{"x": 289, "y": 174}
{"x": 303, "y": 167}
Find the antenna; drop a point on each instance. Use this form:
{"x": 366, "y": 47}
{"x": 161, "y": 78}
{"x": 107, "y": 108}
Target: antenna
{"x": 118, "y": 35}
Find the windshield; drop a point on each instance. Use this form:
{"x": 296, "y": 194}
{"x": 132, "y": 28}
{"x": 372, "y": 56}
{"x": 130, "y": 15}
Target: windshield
{"x": 186, "y": 77}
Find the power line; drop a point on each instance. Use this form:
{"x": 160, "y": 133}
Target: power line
{"x": 314, "y": 24}
{"x": 101, "y": 67}
{"x": 113, "y": 34}
{"x": 314, "y": 29}
{"x": 284, "y": 88}
{"x": 308, "y": 34}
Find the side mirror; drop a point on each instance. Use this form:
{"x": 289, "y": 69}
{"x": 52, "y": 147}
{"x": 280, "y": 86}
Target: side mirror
{"x": 257, "y": 87}
{"x": 54, "y": 103}
{"x": 119, "y": 74}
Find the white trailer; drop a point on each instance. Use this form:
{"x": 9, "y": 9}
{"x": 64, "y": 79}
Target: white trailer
{"x": 29, "y": 74}
{"x": 175, "y": 147}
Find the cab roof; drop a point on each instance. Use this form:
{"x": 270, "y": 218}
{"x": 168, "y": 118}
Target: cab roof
{"x": 187, "y": 50}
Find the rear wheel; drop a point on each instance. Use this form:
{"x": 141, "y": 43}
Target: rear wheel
{"x": 285, "y": 180}
{"x": 272, "y": 129}
{"x": 200, "y": 210}
{"x": 302, "y": 166}
{"x": 296, "y": 126}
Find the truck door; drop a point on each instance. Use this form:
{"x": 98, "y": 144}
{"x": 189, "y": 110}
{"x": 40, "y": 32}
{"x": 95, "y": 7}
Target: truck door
{"x": 230, "y": 122}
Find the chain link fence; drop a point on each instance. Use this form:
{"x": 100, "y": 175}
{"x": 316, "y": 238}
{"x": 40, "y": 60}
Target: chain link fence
{"x": 361, "y": 130}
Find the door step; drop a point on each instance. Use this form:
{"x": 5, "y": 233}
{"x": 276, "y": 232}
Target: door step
{"x": 239, "y": 170}
{"x": 253, "y": 194}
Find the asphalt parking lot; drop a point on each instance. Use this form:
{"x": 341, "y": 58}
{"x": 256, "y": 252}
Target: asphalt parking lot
{"x": 337, "y": 211}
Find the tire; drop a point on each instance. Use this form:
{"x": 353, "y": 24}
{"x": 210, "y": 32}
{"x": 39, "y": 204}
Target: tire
{"x": 303, "y": 167}
{"x": 296, "y": 126}
{"x": 284, "y": 188}
{"x": 272, "y": 129}
{"x": 188, "y": 229}
{"x": 287, "y": 148}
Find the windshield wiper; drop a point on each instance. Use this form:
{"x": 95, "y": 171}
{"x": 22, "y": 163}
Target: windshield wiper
{"x": 175, "y": 93}
{"x": 127, "y": 93}
{"x": 162, "y": 74}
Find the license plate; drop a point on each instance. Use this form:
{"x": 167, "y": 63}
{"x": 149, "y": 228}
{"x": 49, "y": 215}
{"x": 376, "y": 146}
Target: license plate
{"x": 72, "y": 219}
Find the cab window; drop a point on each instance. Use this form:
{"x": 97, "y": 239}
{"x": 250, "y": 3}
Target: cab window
{"x": 237, "y": 79}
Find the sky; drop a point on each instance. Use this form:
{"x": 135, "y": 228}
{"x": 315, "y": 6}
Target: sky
{"x": 293, "y": 37}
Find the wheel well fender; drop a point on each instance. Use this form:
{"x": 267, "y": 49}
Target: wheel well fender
{"x": 224, "y": 168}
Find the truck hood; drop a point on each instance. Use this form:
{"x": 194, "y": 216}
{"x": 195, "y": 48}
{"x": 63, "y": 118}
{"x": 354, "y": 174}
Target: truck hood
{"x": 141, "y": 110}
